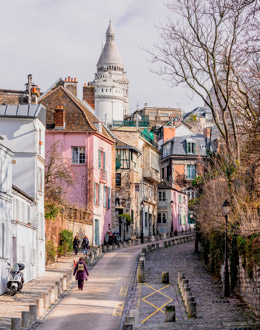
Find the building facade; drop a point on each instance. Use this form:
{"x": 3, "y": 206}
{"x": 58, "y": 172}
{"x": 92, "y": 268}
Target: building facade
{"x": 86, "y": 147}
{"x": 138, "y": 176}
{"x": 5, "y": 213}
{"x": 23, "y": 130}
{"x": 172, "y": 210}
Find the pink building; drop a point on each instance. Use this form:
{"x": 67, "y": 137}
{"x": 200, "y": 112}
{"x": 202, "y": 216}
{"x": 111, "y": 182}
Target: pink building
{"x": 87, "y": 148}
{"x": 172, "y": 214}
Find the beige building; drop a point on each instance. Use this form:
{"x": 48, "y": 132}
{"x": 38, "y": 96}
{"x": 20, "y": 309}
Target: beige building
{"x": 137, "y": 179}
{"x": 156, "y": 115}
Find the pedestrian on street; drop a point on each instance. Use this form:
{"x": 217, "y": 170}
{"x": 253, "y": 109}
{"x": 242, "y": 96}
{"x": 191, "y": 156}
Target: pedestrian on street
{"x": 82, "y": 272}
{"x": 85, "y": 245}
{"x": 76, "y": 243}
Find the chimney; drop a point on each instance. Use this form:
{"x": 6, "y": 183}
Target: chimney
{"x": 71, "y": 85}
{"x": 34, "y": 96}
{"x": 168, "y": 133}
{"x": 207, "y": 133}
{"x": 59, "y": 118}
{"x": 89, "y": 95}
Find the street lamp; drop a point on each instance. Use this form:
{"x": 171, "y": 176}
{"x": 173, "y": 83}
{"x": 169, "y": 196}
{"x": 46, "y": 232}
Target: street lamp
{"x": 142, "y": 220}
{"x": 226, "y": 210}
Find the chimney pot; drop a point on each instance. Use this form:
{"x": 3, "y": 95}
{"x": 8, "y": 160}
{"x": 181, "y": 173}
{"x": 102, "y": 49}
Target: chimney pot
{"x": 75, "y": 79}
{"x": 85, "y": 85}
{"x": 61, "y": 107}
{"x": 65, "y": 79}
{"x": 69, "y": 78}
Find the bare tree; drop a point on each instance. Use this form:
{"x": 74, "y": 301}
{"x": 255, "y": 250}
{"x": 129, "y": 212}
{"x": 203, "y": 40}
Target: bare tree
{"x": 204, "y": 47}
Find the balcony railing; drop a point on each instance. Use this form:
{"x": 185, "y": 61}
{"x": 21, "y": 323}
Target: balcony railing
{"x": 103, "y": 175}
{"x": 131, "y": 123}
{"x": 147, "y": 138}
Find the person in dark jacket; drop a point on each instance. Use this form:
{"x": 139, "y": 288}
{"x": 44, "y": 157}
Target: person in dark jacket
{"x": 76, "y": 243}
{"x": 82, "y": 272}
{"x": 85, "y": 245}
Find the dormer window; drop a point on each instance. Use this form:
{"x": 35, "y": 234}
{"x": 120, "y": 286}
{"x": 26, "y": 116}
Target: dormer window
{"x": 191, "y": 147}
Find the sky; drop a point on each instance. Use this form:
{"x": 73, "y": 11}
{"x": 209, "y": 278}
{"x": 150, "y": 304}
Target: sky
{"x": 60, "y": 38}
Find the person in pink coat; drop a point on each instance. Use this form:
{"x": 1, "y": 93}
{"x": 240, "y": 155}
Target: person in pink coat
{"x": 81, "y": 272}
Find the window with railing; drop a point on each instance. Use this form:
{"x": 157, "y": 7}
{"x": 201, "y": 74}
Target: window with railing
{"x": 191, "y": 172}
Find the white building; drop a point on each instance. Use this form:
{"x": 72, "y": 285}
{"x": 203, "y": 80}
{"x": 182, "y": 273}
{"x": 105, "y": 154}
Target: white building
{"x": 23, "y": 130}
{"x": 5, "y": 213}
{"x": 111, "y": 83}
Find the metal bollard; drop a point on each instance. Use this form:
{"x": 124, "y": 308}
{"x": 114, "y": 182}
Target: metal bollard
{"x": 26, "y": 319}
{"x": 164, "y": 244}
{"x": 33, "y": 312}
{"x": 180, "y": 278}
{"x": 124, "y": 244}
{"x": 183, "y": 282}
{"x": 104, "y": 248}
{"x": 15, "y": 323}
{"x": 157, "y": 246}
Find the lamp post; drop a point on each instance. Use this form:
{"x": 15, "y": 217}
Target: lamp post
{"x": 142, "y": 222}
{"x": 226, "y": 209}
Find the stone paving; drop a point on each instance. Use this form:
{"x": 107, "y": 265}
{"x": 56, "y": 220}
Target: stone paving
{"x": 213, "y": 311}
{"x": 12, "y": 306}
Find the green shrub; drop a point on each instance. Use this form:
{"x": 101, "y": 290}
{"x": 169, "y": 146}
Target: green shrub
{"x": 50, "y": 252}
{"x": 66, "y": 242}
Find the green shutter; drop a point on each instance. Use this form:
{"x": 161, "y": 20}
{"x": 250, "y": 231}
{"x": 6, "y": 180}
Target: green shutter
{"x": 108, "y": 200}
{"x": 99, "y": 194}
{"x": 95, "y": 194}
{"x": 194, "y": 148}
{"x": 104, "y": 155}
{"x": 99, "y": 158}
{"x": 105, "y": 196}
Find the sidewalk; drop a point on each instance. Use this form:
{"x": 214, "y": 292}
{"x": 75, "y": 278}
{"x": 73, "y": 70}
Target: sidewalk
{"x": 12, "y": 306}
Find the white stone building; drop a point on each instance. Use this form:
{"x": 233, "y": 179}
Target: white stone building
{"x": 5, "y": 213}
{"x": 111, "y": 83}
{"x": 23, "y": 130}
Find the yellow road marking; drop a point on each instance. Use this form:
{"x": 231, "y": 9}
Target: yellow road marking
{"x": 123, "y": 291}
{"x": 118, "y": 309}
{"x": 157, "y": 309}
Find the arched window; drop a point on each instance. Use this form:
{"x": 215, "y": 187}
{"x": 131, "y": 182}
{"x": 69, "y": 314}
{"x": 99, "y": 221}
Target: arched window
{"x": 117, "y": 201}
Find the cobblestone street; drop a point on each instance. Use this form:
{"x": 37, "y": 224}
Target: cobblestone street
{"x": 213, "y": 311}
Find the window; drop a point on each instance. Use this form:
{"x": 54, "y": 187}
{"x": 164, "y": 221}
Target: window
{"x": 40, "y": 179}
{"x": 146, "y": 220}
{"x": 17, "y": 210}
{"x": 154, "y": 160}
{"x": 101, "y": 160}
{"x": 167, "y": 149}
{"x": 118, "y": 179}
{"x": 117, "y": 201}
{"x": 191, "y": 172}
{"x": 162, "y": 217}
{"x": 132, "y": 215}
{"x": 96, "y": 194}
{"x": 162, "y": 196}
{"x": 169, "y": 172}
{"x": 78, "y": 155}
{"x": 163, "y": 173}
{"x": 191, "y": 147}
{"x": 28, "y": 214}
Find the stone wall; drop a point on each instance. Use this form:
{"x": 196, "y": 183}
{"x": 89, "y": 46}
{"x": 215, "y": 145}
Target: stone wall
{"x": 249, "y": 288}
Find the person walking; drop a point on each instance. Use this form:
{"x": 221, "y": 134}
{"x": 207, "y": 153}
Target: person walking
{"x": 76, "y": 243}
{"x": 82, "y": 272}
{"x": 85, "y": 245}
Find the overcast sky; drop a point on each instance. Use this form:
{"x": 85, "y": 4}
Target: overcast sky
{"x": 60, "y": 38}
